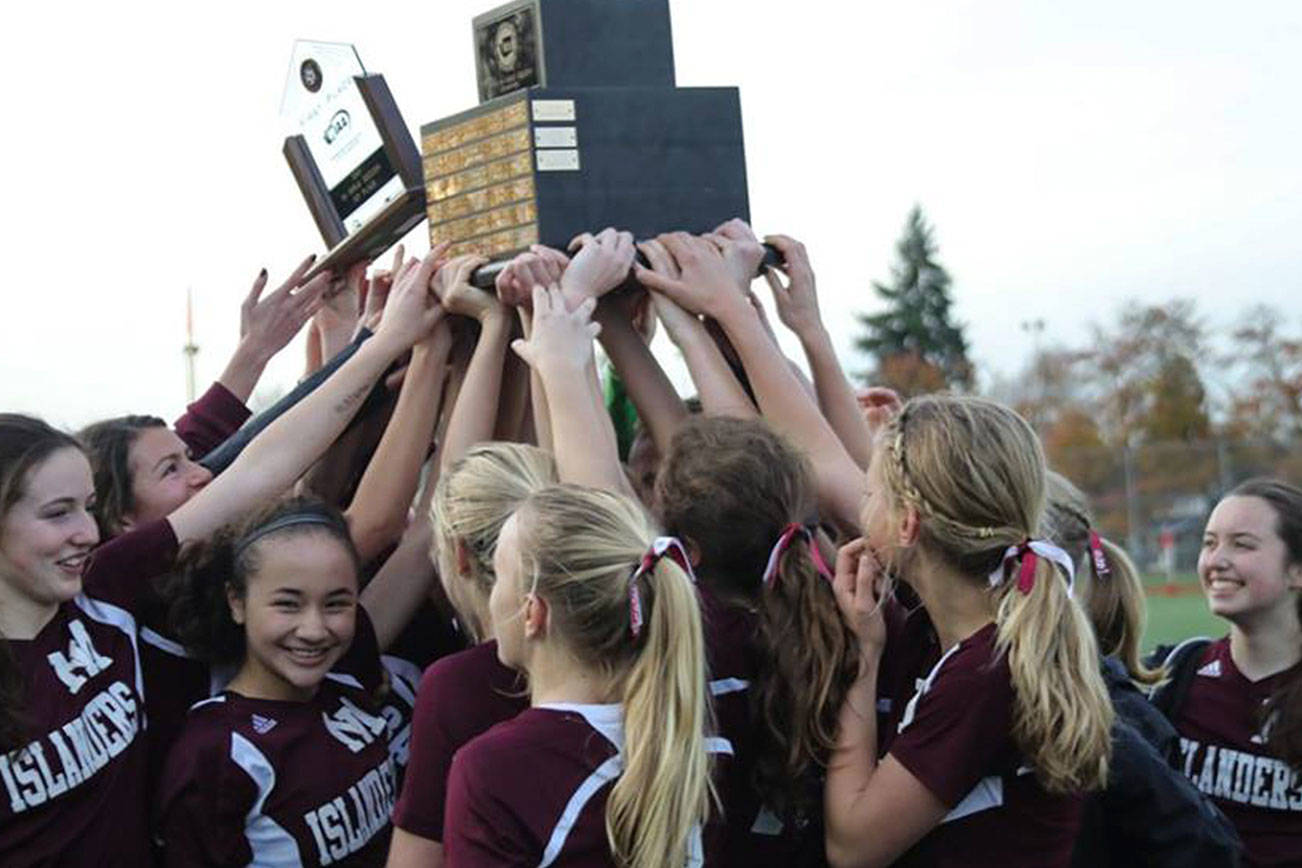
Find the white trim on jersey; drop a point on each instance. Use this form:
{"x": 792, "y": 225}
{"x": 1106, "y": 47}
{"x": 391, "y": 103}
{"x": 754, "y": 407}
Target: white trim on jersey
{"x": 208, "y": 701}
{"x": 116, "y": 616}
{"x": 608, "y": 719}
{"x": 162, "y": 643}
{"x": 720, "y": 686}
{"x": 272, "y": 846}
{"x": 605, "y": 718}
{"x": 405, "y": 675}
{"x": 348, "y": 680}
{"x": 605, "y": 773}
{"x": 923, "y": 687}
{"x": 987, "y": 794}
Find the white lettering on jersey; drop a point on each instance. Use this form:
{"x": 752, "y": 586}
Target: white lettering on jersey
{"x": 81, "y": 655}
{"x": 107, "y": 725}
{"x": 1245, "y": 778}
{"x": 353, "y": 727}
{"x": 1211, "y": 670}
{"x": 346, "y": 823}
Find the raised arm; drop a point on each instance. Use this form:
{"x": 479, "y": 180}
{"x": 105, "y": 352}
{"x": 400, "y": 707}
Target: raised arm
{"x": 654, "y": 396}
{"x": 716, "y": 385}
{"x": 394, "y": 594}
{"x": 289, "y": 445}
{"x": 268, "y": 324}
{"x": 378, "y": 513}
{"x": 706, "y": 286}
{"x": 560, "y": 351}
{"x": 797, "y": 303}
{"x": 475, "y": 412}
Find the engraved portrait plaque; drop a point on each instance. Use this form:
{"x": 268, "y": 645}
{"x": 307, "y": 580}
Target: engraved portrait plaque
{"x": 508, "y": 49}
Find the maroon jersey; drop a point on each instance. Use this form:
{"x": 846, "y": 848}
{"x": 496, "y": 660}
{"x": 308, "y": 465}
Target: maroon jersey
{"x": 460, "y": 697}
{"x": 756, "y": 836}
{"x": 532, "y": 790}
{"x": 74, "y": 795}
{"x": 210, "y": 420}
{"x": 955, "y": 736}
{"x": 1222, "y": 745}
{"x": 279, "y": 783}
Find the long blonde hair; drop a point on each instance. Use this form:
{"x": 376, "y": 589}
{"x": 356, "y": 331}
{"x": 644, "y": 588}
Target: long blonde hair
{"x": 473, "y": 499}
{"x": 1114, "y": 601}
{"x": 580, "y": 548}
{"x": 975, "y": 472}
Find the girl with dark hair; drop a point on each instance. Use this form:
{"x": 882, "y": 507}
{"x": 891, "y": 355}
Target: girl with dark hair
{"x": 72, "y": 753}
{"x": 781, "y": 659}
{"x": 1240, "y": 718}
{"x": 291, "y": 761}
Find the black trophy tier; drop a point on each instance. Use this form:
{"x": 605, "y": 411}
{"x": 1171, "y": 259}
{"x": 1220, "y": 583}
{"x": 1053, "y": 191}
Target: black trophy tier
{"x": 573, "y": 43}
{"x": 540, "y": 166}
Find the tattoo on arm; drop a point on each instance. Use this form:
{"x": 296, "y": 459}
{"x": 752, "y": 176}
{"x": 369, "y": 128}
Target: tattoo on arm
{"x": 347, "y": 402}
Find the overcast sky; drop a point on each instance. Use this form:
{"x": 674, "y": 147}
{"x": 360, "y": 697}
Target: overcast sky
{"x": 1071, "y": 156}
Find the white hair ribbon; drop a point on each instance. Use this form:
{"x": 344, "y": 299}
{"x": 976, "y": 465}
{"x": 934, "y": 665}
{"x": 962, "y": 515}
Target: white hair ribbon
{"x": 1028, "y": 552}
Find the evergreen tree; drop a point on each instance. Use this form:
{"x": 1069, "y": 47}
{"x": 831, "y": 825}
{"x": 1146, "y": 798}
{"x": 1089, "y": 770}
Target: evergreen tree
{"x": 915, "y": 344}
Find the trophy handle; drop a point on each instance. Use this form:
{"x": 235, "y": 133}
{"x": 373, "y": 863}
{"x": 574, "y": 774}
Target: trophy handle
{"x": 398, "y": 143}
{"x": 485, "y": 276}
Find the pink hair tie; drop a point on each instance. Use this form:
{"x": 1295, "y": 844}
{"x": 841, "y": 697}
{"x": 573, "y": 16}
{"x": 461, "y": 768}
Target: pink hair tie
{"x": 789, "y": 533}
{"x": 662, "y": 546}
{"x": 1029, "y": 552}
{"x": 1101, "y": 568}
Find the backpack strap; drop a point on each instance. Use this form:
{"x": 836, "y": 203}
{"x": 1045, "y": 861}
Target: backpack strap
{"x": 1181, "y": 664}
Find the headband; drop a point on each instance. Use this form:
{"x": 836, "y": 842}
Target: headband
{"x": 1097, "y": 555}
{"x": 294, "y": 519}
{"x": 1029, "y": 552}
{"x": 789, "y": 533}
{"x": 662, "y": 546}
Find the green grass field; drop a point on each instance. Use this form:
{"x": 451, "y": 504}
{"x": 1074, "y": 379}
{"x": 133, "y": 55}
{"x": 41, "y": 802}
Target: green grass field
{"x": 1172, "y": 618}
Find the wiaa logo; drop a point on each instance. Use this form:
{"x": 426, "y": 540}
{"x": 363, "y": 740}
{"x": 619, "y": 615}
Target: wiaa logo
{"x": 340, "y": 122}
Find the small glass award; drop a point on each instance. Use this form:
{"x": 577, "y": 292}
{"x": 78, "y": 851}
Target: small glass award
{"x": 350, "y": 152}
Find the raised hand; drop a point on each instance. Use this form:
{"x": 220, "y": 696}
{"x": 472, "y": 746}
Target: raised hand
{"x": 268, "y": 324}
{"x": 412, "y": 310}
{"x": 452, "y": 285}
{"x": 797, "y": 298}
{"x": 600, "y": 264}
{"x": 860, "y": 586}
{"x": 740, "y": 248}
{"x": 539, "y": 266}
{"x": 561, "y": 341}
{"x": 705, "y": 284}
{"x": 878, "y": 405}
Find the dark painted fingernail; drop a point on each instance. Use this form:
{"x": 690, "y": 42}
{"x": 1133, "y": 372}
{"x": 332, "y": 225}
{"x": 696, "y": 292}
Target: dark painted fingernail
{"x": 262, "y": 273}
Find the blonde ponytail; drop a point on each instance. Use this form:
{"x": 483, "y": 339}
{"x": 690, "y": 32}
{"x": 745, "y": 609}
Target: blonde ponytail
{"x": 1113, "y": 596}
{"x": 1062, "y": 715}
{"x": 581, "y": 549}
{"x": 664, "y": 790}
{"x": 975, "y": 473}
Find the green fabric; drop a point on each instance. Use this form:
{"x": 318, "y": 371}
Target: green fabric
{"x": 623, "y": 415}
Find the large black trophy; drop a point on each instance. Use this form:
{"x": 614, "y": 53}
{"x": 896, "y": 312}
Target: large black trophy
{"x": 580, "y": 126}
{"x": 350, "y": 153}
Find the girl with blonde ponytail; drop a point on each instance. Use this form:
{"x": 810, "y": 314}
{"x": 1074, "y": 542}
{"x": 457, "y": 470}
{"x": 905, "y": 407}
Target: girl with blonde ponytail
{"x": 989, "y": 742}
{"x": 611, "y": 764}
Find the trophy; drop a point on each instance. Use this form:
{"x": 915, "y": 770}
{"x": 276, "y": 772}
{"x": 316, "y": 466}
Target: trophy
{"x": 350, "y": 153}
{"x": 580, "y": 126}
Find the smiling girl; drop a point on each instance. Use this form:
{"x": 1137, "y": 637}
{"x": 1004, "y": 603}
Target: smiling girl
{"x": 291, "y": 761}
{"x": 71, "y": 703}
{"x": 1240, "y": 721}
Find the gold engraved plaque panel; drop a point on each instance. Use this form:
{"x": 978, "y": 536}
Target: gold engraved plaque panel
{"x": 480, "y": 192}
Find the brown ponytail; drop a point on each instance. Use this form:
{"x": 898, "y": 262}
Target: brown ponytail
{"x": 731, "y": 486}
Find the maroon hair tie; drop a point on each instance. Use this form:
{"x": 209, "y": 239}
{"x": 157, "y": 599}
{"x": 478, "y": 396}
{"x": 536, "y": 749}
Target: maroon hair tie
{"x": 662, "y": 546}
{"x": 1098, "y": 556}
{"x": 789, "y": 533}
